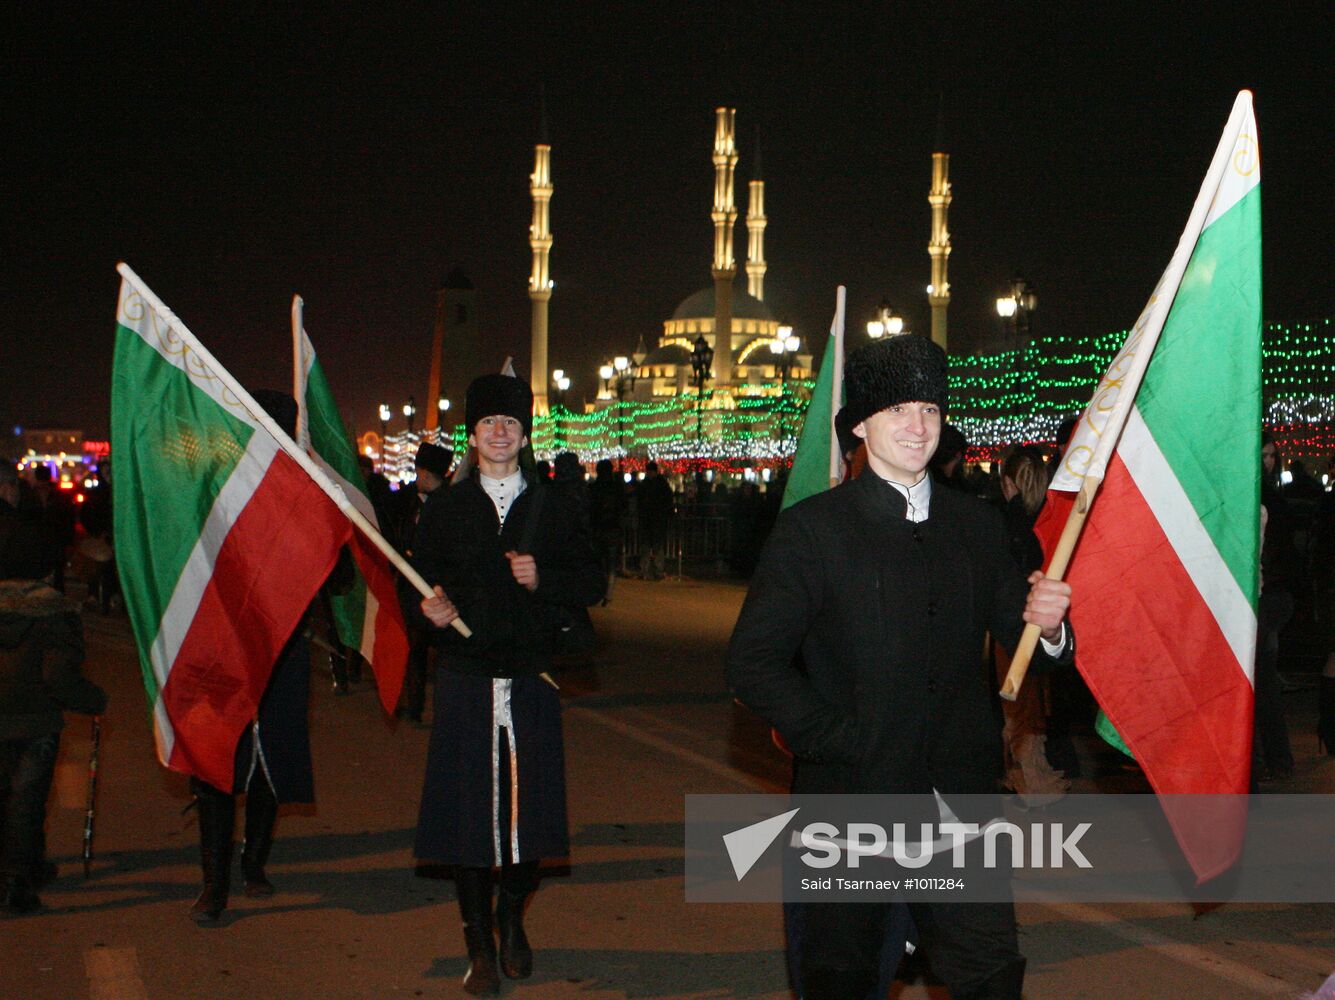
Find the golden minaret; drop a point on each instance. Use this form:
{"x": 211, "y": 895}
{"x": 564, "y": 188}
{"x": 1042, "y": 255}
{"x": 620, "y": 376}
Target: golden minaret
{"x": 540, "y": 283}
{"x": 755, "y": 232}
{"x": 938, "y": 292}
{"x": 725, "y": 218}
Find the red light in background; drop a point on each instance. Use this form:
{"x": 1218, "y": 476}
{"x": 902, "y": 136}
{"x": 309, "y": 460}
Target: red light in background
{"x": 65, "y": 484}
{"x": 78, "y": 498}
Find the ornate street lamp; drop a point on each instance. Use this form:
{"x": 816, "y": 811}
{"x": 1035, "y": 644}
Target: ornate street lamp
{"x": 702, "y": 359}
{"x": 410, "y": 411}
{"x": 1017, "y": 311}
{"x": 886, "y": 323}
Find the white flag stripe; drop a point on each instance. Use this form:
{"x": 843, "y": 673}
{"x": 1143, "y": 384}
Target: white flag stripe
{"x": 241, "y": 485}
{"x": 1159, "y": 485}
{"x": 1244, "y": 165}
{"x": 136, "y": 312}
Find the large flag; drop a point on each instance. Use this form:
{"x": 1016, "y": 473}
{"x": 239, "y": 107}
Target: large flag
{"x": 368, "y": 617}
{"x": 222, "y": 539}
{"x": 1165, "y": 575}
{"x": 818, "y": 463}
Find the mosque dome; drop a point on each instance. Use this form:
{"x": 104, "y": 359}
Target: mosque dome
{"x": 701, "y": 306}
{"x": 667, "y": 354}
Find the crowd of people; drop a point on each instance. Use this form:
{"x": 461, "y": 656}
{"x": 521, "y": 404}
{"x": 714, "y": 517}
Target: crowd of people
{"x": 519, "y": 550}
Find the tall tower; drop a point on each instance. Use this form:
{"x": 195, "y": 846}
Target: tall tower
{"x": 455, "y": 332}
{"x": 938, "y": 292}
{"x": 725, "y": 218}
{"x": 755, "y": 231}
{"x": 540, "y": 283}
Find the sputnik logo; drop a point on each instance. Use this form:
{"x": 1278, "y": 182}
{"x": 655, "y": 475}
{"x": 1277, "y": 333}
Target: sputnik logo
{"x": 745, "y": 846}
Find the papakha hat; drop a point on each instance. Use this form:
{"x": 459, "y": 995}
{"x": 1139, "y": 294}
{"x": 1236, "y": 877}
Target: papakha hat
{"x": 433, "y": 458}
{"x": 903, "y": 369}
{"x": 498, "y": 395}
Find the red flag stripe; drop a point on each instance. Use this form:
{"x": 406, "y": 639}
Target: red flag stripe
{"x": 1187, "y": 722}
{"x": 389, "y": 656}
{"x": 274, "y": 559}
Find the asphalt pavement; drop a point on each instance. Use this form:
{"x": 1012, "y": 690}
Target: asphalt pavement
{"x": 646, "y": 722}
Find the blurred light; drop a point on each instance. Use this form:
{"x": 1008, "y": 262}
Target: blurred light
{"x": 875, "y": 328}
{"x": 1006, "y": 307}
{"x": 1286, "y": 477}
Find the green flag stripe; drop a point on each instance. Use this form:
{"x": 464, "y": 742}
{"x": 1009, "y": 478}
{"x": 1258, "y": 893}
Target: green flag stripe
{"x": 1201, "y": 397}
{"x": 169, "y": 472}
{"x": 811, "y": 465}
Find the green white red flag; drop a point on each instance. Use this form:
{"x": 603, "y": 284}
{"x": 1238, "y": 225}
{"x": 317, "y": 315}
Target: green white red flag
{"x": 222, "y": 538}
{"x": 818, "y": 462}
{"x": 1165, "y": 575}
{"x": 368, "y": 618}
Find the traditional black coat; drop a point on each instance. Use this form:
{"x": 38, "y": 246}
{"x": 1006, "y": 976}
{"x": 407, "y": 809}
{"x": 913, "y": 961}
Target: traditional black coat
{"x": 481, "y": 804}
{"x": 888, "y": 616}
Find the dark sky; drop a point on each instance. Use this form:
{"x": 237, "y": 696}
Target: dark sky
{"x": 357, "y": 158}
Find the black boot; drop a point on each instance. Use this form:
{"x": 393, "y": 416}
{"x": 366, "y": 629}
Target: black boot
{"x": 217, "y": 819}
{"x": 517, "y": 883}
{"x": 474, "y": 888}
{"x": 261, "y": 814}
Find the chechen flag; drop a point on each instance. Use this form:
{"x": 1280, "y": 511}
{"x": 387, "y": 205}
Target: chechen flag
{"x": 222, "y": 539}
{"x": 368, "y": 618}
{"x": 1165, "y": 576}
{"x": 818, "y": 462}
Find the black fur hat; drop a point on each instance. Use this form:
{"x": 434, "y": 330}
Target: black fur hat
{"x": 433, "y": 458}
{"x": 498, "y": 395}
{"x": 279, "y": 405}
{"x": 903, "y": 369}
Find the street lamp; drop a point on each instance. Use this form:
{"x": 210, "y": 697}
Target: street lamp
{"x": 885, "y": 323}
{"x": 385, "y": 414}
{"x": 1016, "y": 310}
{"x": 784, "y": 348}
{"x": 619, "y": 375}
{"x": 702, "y": 359}
{"x": 560, "y": 385}
{"x": 409, "y": 411}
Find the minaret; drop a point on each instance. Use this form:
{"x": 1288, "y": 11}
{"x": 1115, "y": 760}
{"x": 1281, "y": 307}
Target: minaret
{"x": 725, "y": 218}
{"x": 938, "y": 292}
{"x": 755, "y": 231}
{"x": 540, "y": 283}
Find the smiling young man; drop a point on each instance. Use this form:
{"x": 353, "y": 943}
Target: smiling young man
{"x": 882, "y": 590}
{"x": 494, "y": 791}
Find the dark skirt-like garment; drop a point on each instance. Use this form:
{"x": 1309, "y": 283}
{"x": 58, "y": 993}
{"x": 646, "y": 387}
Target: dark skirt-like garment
{"x": 284, "y": 748}
{"x": 478, "y": 809}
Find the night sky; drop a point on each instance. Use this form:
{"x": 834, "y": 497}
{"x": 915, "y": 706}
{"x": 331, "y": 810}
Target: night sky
{"x": 357, "y": 159}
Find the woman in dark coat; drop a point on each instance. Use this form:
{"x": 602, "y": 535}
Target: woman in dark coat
{"x": 511, "y": 555}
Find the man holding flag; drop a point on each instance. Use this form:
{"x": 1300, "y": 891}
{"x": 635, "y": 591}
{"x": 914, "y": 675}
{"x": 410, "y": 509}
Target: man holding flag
{"x": 885, "y": 587}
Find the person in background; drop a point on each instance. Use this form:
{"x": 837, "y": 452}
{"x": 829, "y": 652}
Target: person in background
{"x": 433, "y": 465}
{"x": 607, "y": 508}
{"x": 1024, "y": 486}
{"x": 41, "y": 658}
{"x": 1272, "y": 755}
{"x": 653, "y": 502}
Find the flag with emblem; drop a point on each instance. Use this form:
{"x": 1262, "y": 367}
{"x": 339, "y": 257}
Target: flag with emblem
{"x": 1165, "y": 575}
{"x": 222, "y": 537}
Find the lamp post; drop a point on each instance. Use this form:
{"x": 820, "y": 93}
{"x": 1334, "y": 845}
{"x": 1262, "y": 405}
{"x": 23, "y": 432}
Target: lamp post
{"x": 886, "y": 323}
{"x": 410, "y": 411}
{"x": 1017, "y": 311}
{"x": 384, "y": 432}
{"x": 442, "y": 407}
{"x": 784, "y": 348}
{"x": 560, "y": 385}
{"x": 702, "y": 359}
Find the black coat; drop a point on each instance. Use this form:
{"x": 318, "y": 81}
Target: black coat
{"x": 469, "y": 785}
{"x": 888, "y": 617}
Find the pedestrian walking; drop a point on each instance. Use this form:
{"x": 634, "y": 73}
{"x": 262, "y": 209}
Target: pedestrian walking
{"x": 653, "y": 504}
{"x": 493, "y": 796}
{"x": 885, "y": 586}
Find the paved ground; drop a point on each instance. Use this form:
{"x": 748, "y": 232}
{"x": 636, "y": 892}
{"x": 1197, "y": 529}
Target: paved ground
{"x": 648, "y": 722}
